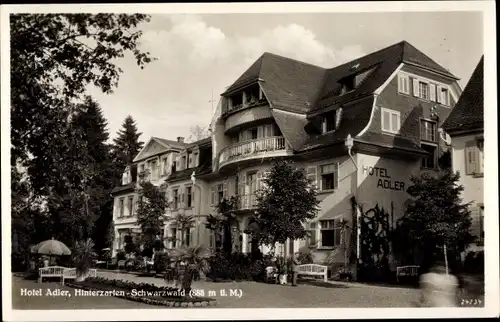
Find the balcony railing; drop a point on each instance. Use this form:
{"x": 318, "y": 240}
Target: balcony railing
{"x": 244, "y": 105}
{"x": 247, "y": 201}
{"x": 248, "y": 148}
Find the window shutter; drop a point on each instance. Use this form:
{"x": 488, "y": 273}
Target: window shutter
{"x": 444, "y": 93}
{"x": 338, "y": 232}
{"x": 224, "y": 189}
{"x": 338, "y": 116}
{"x": 439, "y": 95}
{"x": 400, "y": 83}
{"x": 336, "y": 182}
{"x": 432, "y": 90}
{"x": 416, "y": 88}
{"x": 470, "y": 158}
{"x": 312, "y": 175}
{"x": 259, "y": 180}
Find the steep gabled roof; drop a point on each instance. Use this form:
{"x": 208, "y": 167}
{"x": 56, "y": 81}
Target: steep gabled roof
{"x": 287, "y": 83}
{"x": 171, "y": 143}
{"x": 301, "y": 88}
{"x": 468, "y": 113}
{"x": 164, "y": 143}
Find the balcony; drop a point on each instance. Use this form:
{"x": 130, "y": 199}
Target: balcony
{"x": 241, "y": 106}
{"x": 247, "y": 201}
{"x": 254, "y": 150}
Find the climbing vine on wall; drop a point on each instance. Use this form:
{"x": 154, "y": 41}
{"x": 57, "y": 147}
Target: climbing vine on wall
{"x": 376, "y": 228}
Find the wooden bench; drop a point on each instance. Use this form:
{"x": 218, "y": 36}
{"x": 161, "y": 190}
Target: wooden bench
{"x": 404, "y": 271}
{"x": 50, "y": 271}
{"x": 70, "y": 273}
{"x": 313, "y": 270}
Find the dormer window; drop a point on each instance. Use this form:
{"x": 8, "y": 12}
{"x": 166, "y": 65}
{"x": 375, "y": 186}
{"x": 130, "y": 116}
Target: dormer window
{"x": 126, "y": 177}
{"x": 236, "y": 101}
{"x": 348, "y": 84}
{"x": 328, "y": 122}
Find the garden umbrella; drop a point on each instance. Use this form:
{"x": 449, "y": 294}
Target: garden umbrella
{"x": 51, "y": 247}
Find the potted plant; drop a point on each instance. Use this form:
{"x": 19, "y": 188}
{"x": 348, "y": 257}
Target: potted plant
{"x": 83, "y": 257}
{"x": 345, "y": 274}
{"x": 190, "y": 260}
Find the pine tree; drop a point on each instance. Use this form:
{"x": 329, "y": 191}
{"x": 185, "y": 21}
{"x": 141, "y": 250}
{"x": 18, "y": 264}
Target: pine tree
{"x": 127, "y": 144}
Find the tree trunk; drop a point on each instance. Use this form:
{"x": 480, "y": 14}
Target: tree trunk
{"x": 228, "y": 245}
{"x": 445, "y": 258}
{"x": 82, "y": 275}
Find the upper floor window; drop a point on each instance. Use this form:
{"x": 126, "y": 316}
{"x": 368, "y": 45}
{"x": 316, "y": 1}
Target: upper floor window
{"x": 142, "y": 168}
{"x": 328, "y": 122}
{"x": 130, "y": 206}
{"x": 404, "y": 84}
{"x": 391, "y": 121}
{"x": 428, "y": 131}
{"x": 423, "y": 90}
{"x": 121, "y": 207}
{"x": 175, "y": 194}
{"x": 218, "y": 192}
{"x": 474, "y": 157}
{"x": 329, "y": 176}
{"x": 189, "y": 196}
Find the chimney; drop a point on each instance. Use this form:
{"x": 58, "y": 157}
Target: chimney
{"x": 180, "y": 139}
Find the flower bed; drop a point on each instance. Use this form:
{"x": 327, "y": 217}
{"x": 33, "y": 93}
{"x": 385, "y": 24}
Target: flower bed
{"x": 143, "y": 292}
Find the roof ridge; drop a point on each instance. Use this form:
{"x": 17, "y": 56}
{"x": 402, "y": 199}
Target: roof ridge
{"x": 293, "y": 59}
{"x": 370, "y": 54}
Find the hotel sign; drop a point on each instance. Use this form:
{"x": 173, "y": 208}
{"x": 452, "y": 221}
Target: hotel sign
{"x": 384, "y": 180}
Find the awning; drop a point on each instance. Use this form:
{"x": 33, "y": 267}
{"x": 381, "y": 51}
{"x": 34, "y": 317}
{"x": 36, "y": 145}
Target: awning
{"x": 333, "y": 214}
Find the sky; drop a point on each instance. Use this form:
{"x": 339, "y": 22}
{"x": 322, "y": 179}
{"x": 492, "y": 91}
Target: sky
{"x": 198, "y": 56}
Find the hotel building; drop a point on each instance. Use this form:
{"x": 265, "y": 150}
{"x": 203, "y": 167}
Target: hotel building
{"x": 392, "y": 103}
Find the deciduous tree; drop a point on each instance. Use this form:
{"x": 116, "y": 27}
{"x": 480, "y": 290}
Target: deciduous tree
{"x": 151, "y": 211}
{"x": 286, "y": 203}
{"x": 437, "y": 216}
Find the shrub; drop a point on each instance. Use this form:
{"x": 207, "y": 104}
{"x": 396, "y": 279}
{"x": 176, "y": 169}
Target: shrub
{"x": 474, "y": 262}
{"x": 120, "y": 255}
{"x": 237, "y": 266}
{"x": 161, "y": 261}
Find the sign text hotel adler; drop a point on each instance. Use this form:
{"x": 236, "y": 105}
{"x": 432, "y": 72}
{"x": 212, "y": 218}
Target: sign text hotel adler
{"x": 384, "y": 180}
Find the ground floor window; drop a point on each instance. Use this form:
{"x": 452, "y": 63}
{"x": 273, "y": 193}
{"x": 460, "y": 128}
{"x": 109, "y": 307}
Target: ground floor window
{"x": 330, "y": 231}
{"x": 429, "y": 162}
{"x": 173, "y": 237}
